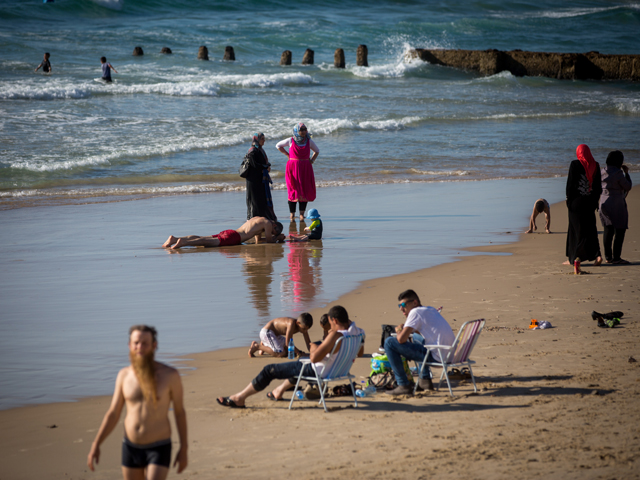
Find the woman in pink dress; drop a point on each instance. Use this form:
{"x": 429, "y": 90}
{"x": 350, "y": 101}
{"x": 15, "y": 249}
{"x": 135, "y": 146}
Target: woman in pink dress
{"x": 301, "y": 183}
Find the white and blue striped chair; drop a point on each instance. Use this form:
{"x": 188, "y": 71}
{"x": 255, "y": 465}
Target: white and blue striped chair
{"x": 456, "y": 355}
{"x": 338, "y": 371}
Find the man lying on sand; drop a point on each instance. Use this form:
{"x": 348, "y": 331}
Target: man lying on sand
{"x": 251, "y": 228}
{"x": 275, "y": 336}
{"x": 432, "y": 326}
{"x": 147, "y": 388}
{"x": 340, "y": 326}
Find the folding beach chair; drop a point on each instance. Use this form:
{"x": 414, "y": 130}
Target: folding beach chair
{"x": 456, "y": 355}
{"x": 338, "y": 371}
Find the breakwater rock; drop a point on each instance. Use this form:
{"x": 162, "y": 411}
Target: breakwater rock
{"x": 565, "y": 66}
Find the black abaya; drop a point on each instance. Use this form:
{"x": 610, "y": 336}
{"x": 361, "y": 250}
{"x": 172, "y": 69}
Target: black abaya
{"x": 582, "y": 203}
{"x": 259, "y": 203}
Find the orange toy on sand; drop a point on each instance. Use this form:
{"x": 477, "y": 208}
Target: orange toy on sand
{"x": 533, "y": 324}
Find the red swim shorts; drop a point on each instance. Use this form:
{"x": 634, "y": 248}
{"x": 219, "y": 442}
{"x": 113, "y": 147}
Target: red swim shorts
{"x": 228, "y": 237}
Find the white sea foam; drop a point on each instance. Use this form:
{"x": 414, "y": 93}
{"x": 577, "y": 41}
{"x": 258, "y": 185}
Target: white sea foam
{"x": 575, "y": 12}
{"x": 500, "y": 116}
{"x": 505, "y": 74}
{"x": 60, "y": 90}
{"x": 628, "y": 105}
{"x": 264, "y": 80}
{"x": 444, "y": 173}
{"x": 186, "y": 86}
{"x": 565, "y": 12}
{"x": 330, "y": 125}
{"x": 166, "y": 147}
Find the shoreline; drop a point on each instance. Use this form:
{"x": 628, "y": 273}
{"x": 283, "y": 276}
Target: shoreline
{"x": 558, "y": 403}
{"x": 14, "y": 199}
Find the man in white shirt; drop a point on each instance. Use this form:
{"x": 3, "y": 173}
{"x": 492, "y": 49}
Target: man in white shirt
{"x": 435, "y": 330}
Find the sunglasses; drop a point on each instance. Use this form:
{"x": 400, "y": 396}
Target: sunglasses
{"x": 303, "y": 130}
{"x": 402, "y": 305}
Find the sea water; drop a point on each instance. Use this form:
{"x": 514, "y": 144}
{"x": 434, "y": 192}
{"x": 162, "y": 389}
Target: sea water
{"x": 415, "y": 159}
{"x": 172, "y": 124}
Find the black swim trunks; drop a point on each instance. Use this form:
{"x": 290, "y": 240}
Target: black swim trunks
{"x": 140, "y": 456}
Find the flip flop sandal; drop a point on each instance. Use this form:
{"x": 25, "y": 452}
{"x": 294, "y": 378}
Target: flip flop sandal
{"x": 227, "y": 402}
{"x": 271, "y": 396}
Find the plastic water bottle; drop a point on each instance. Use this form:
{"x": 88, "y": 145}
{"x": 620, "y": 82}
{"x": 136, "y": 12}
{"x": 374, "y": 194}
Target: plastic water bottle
{"x": 366, "y": 392}
{"x": 299, "y": 394}
{"x": 292, "y": 350}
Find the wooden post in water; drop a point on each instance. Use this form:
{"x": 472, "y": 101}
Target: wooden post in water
{"x": 338, "y": 58}
{"x": 203, "y": 53}
{"x": 166, "y": 50}
{"x": 307, "y": 59}
{"x": 229, "y": 54}
{"x": 285, "y": 59}
{"x": 361, "y": 56}
{"x": 137, "y": 52}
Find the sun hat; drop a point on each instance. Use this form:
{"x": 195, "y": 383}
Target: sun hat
{"x": 313, "y": 213}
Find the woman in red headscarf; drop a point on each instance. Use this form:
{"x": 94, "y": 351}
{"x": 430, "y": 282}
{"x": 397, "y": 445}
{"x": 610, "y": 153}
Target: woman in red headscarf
{"x": 584, "y": 187}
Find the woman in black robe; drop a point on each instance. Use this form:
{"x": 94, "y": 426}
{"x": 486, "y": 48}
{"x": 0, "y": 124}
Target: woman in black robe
{"x": 259, "y": 202}
{"x": 584, "y": 187}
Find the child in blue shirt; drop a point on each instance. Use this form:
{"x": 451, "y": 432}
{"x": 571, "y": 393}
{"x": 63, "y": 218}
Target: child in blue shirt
{"x": 106, "y": 69}
{"x": 313, "y": 231}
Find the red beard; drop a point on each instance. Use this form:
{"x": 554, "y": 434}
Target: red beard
{"x": 145, "y": 370}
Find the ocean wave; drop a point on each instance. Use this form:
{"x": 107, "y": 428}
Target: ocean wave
{"x": 566, "y": 12}
{"x": 444, "y": 173}
{"x": 575, "y": 12}
{"x": 509, "y": 116}
{"x": 165, "y": 148}
{"x": 210, "y": 87}
{"x": 58, "y": 90}
{"x": 389, "y": 70}
{"x": 330, "y": 125}
{"x": 168, "y": 145}
{"x": 264, "y": 80}
{"x": 628, "y": 106}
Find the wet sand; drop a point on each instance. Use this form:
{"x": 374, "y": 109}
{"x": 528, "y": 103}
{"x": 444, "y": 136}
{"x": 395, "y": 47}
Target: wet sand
{"x": 557, "y": 403}
{"x": 74, "y": 278}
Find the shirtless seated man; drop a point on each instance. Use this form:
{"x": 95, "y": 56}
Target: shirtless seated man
{"x": 147, "y": 388}
{"x": 251, "y": 228}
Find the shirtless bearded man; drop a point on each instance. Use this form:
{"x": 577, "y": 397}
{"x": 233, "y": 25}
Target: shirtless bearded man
{"x": 147, "y": 388}
{"x": 254, "y": 227}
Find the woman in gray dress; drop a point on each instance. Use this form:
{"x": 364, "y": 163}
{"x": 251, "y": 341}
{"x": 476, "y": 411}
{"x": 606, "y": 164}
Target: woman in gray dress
{"x": 616, "y": 183}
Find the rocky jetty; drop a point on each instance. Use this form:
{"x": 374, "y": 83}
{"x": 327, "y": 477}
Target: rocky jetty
{"x": 565, "y": 66}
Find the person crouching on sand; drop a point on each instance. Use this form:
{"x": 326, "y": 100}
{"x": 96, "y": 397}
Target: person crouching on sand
{"x": 539, "y": 207}
{"x": 275, "y": 336}
{"x": 147, "y": 388}
{"x": 255, "y": 227}
{"x": 289, "y": 371}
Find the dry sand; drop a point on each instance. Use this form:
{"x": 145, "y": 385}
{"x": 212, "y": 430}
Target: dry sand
{"x": 558, "y": 403}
